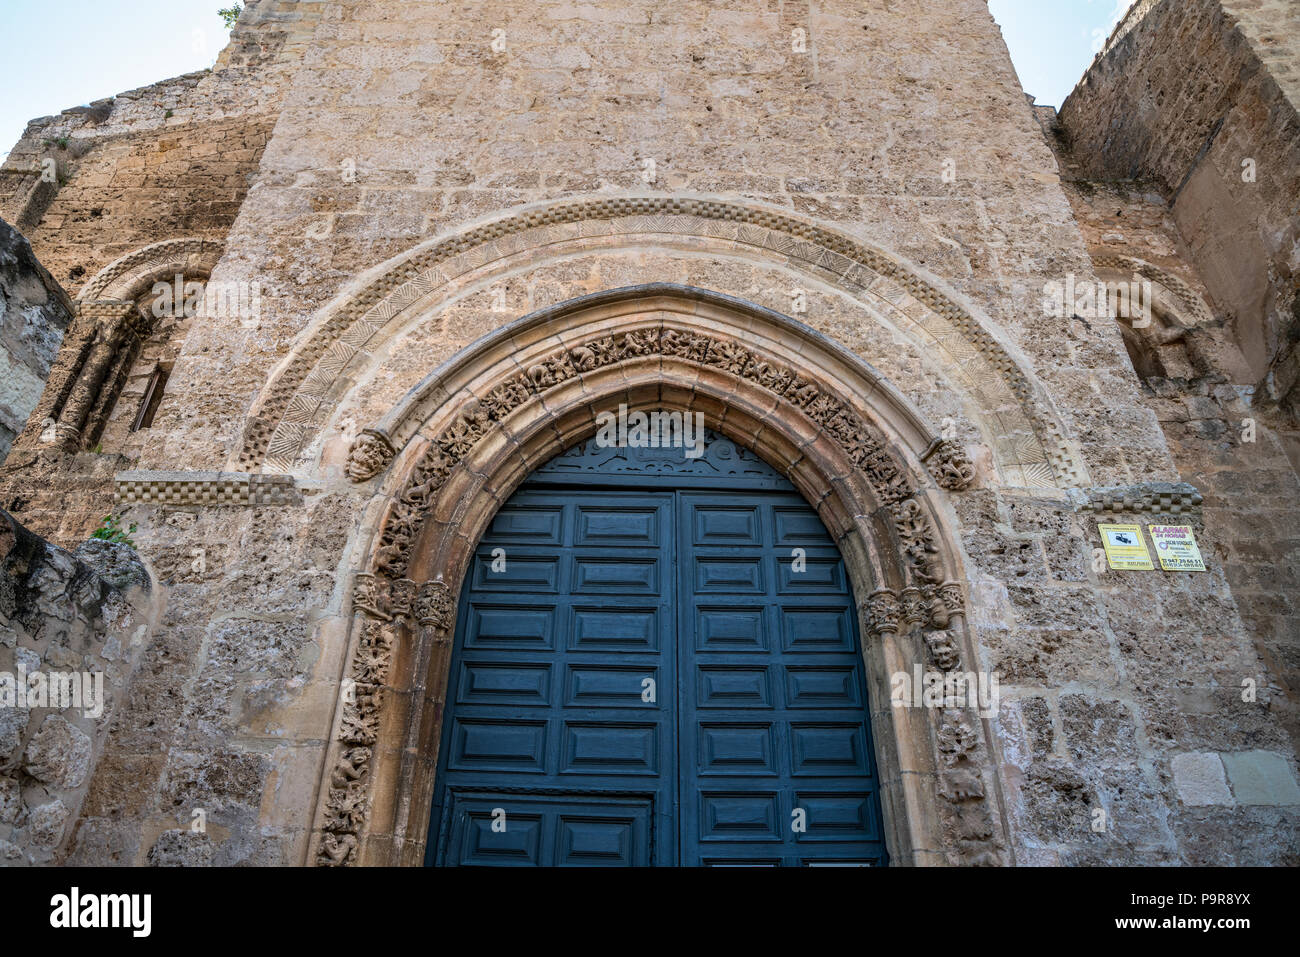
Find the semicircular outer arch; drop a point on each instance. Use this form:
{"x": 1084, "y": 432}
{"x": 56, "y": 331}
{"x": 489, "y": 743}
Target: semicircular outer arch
{"x": 129, "y": 277}
{"x": 285, "y": 414}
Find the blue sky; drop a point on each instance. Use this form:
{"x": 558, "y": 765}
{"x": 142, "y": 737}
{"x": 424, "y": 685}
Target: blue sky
{"x": 1053, "y": 41}
{"x": 102, "y": 48}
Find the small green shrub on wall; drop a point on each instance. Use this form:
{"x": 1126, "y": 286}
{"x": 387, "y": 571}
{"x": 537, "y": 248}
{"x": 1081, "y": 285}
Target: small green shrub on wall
{"x": 111, "y": 531}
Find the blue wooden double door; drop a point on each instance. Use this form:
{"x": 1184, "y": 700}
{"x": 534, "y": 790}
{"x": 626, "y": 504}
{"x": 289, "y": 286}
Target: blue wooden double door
{"x": 656, "y": 669}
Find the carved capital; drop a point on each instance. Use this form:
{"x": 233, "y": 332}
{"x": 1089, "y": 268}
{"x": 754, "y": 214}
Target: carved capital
{"x": 952, "y": 597}
{"x": 370, "y": 454}
{"x": 914, "y": 608}
{"x": 402, "y": 597}
{"x": 949, "y": 464}
{"x": 883, "y": 611}
{"x": 435, "y": 607}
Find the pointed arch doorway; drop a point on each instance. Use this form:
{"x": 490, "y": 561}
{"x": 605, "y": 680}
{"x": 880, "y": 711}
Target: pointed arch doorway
{"x": 656, "y": 662}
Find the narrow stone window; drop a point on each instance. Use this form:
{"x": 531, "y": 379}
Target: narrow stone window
{"x": 153, "y": 393}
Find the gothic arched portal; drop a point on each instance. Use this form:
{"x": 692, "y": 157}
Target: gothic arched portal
{"x": 464, "y": 441}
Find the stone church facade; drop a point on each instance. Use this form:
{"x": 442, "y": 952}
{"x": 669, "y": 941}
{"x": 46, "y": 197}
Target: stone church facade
{"x": 330, "y": 304}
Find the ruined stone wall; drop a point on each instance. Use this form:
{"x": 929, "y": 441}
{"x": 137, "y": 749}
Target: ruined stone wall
{"x": 131, "y": 189}
{"x": 71, "y": 627}
{"x": 1198, "y": 97}
{"x": 34, "y": 312}
{"x": 167, "y": 160}
{"x": 1243, "y": 461}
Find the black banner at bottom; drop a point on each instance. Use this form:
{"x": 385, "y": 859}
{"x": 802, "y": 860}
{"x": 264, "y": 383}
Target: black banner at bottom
{"x": 356, "y": 906}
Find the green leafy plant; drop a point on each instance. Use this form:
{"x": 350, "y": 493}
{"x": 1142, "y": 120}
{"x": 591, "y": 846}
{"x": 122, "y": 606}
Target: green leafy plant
{"x": 110, "y": 530}
{"x": 230, "y": 14}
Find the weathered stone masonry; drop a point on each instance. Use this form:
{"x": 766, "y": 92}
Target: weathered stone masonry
{"x": 464, "y": 256}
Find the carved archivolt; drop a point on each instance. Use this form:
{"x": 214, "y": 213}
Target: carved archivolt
{"x": 1194, "y": 311}
{"x": 928, "y": 605}
{"x": 135, "y": 273}
{"x": 286, "y": 415}
{"x": 860, "y": 442}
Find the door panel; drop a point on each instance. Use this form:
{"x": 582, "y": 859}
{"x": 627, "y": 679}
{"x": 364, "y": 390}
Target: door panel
{"x": 551, "y": 724}
{"x": 656, "y": 677}
{"x": 776, "y": 724}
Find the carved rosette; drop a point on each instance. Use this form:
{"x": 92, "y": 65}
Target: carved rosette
{"x": 370, "y": 454}
{"x": 949, "y": 464}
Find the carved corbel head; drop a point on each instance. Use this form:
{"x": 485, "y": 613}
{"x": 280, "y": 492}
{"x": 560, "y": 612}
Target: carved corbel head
{"x": 370, "y": 454}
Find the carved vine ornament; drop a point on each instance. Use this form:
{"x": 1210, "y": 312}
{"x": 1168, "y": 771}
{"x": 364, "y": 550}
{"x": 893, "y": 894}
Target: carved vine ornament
{"x": 390, "y": 602}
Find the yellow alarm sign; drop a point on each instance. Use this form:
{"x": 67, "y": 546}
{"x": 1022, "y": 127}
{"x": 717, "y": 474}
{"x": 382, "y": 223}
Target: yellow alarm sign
{"x": 1126, "y": 549}
{"x": 1176, "y": 548}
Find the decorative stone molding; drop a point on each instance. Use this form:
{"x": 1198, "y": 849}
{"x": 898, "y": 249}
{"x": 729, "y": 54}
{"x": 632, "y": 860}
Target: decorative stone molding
{"x": 883, "y": 612}
{"x": 931, "y": 612}
{"x": 477, "y": 431}
{"x": 370, "y": 596}
{"x": 1153, "y": 498}
{"x": 860, "y": 442}
{"x": 929, "y": 608}
{"x": 204, "y": 488}
{"x": 286, "y": 415}
{"x": 387, "y": 609}
{"x": 1194, "y": 310}
{"x": 128, "y": 277}
{"x": 949, "y": 464}
{"x": 370, "y": 454}
{"x": 435, "y": 607}
{"x": 947, "y": 603}
{"x": 962, "y": 787}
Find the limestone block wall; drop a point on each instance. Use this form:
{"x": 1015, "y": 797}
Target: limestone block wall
{"x": 71, "y": 627}
{"x": 1243, "y": 463}
{"x": 1199, "y": 97}
{"x": 34, "y": 312}
{"x": 131, "y": 189}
